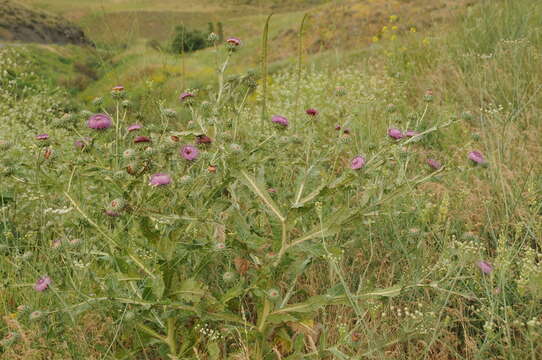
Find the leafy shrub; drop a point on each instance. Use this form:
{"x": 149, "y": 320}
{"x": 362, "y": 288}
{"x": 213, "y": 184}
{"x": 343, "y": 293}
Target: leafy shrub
{"x": 186, "y": 40}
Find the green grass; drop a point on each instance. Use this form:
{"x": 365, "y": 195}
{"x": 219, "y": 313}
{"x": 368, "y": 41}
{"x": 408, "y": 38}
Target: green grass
{"x": 322, "y": 261}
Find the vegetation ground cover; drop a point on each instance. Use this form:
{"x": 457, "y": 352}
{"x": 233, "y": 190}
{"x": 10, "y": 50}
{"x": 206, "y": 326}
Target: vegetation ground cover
{"x": 375, "y": 204}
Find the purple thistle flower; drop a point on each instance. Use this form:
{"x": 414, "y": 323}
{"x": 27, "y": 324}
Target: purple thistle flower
{"x": 42, "y": 137}
{"x": 411, "y": 133}
{"x": 185, "y": 96}
{"x": 312, "y": 112}
{"x": 142, "y": 139}
{"x": 111, "y": 213}
{"x": 346, "y": 131}
{"x": 82, "y": 144}
{"x": 42, "y": 283}
{"x": 190, "y": 152}
{"x": 434, "y": 164}
{"x": 357, "y": 163}
{"x": 477, "y": 157}
{"x": 118, "y": 88}
{"x": 281, "y": 120}
{"x": 134, "y": 127}
{"x": 99, "y": 122}
{"x": 395, "y": 133}
{"x": 234, "y": 41}
{"x": 160, "y": 179}
{"x": 337, "y": 127}
{"x": 485, "y": 267}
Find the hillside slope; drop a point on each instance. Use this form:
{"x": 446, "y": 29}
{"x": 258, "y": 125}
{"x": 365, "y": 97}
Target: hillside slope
{"x": 20, "y": 23}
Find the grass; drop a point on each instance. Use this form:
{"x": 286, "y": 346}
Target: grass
{"x": 124, "y": 29}
{"x": 269, "y": 245}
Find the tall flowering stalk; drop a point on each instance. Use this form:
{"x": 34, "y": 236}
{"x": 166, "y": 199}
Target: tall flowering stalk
{"x": 299, "y": 68}
{"x": 264, "y": 69}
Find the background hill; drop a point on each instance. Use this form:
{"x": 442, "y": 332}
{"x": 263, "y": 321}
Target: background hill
{"x": 21, "y": 23}
{"x": 134, "y": 36}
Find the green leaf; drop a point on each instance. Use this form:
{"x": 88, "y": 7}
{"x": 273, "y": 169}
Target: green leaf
{"x": 301, "y": 202}
{"x": 5, "y": 198}
{"x": 280, "y": 318}
{"x": 190, "y": 290}
{"x": 147, "y": 229}
{"x": 338, "y": 354}
{"x": 213, "y": 350}
{"x": 297, "y": 308}
{"x": 158, "y": 287}
{"x": 388, "y": 292}
{"x": 262, "y": 193}
{"x": 232, "y": 293}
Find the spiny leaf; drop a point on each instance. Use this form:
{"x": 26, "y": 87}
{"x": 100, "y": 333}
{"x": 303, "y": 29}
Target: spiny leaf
{"x": 190, "y": 290}
{"x": 259, "y": 190}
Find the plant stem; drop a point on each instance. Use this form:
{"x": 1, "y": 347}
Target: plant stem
{"x": 171, "y": 336}
{"x": 264, "y": 69}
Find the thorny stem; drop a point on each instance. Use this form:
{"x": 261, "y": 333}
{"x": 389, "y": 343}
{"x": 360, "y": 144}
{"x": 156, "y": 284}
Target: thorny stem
{"x": 117, "y": 127}
{"x": 221, "y": 72}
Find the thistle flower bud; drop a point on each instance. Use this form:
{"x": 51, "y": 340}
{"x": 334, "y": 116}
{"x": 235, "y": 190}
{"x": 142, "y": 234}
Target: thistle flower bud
{"x": 273, "y": 295}
{"x": 229, "y": 276}
{"x": 186, "y": 179}
{"x": 129, "y": 316}
{"x": 428, "y": 96}
{"x": 233, "y": 43}
{"x": 4, "y": 145}
{"x": 6, "y": 170}
{"x": 83, "y": 144}
{"x": 206, "y": 105}
{"x": 97, "y": 101}
{"x": 35, "y": 315}
{"x": 117, "y": 204}
{"x": 186, "y": 97}
{"x": 169, "y": 113}
{"x": 48, "y": 153}
{"x": 118, "y": 92}
{"x": 126, "y": 104}
{"x": 235, "y": 148}
{"x": 9, "y": 339}
{"x": 119, "y": 175}
{"x": 467, "y": 115}
{"x": 133, "y": 168}
{"x": 129, "y": 153}
{"x": 212, "y": 38}
{"x": 85, "y": 114}
{"x": 340, "y": 91}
